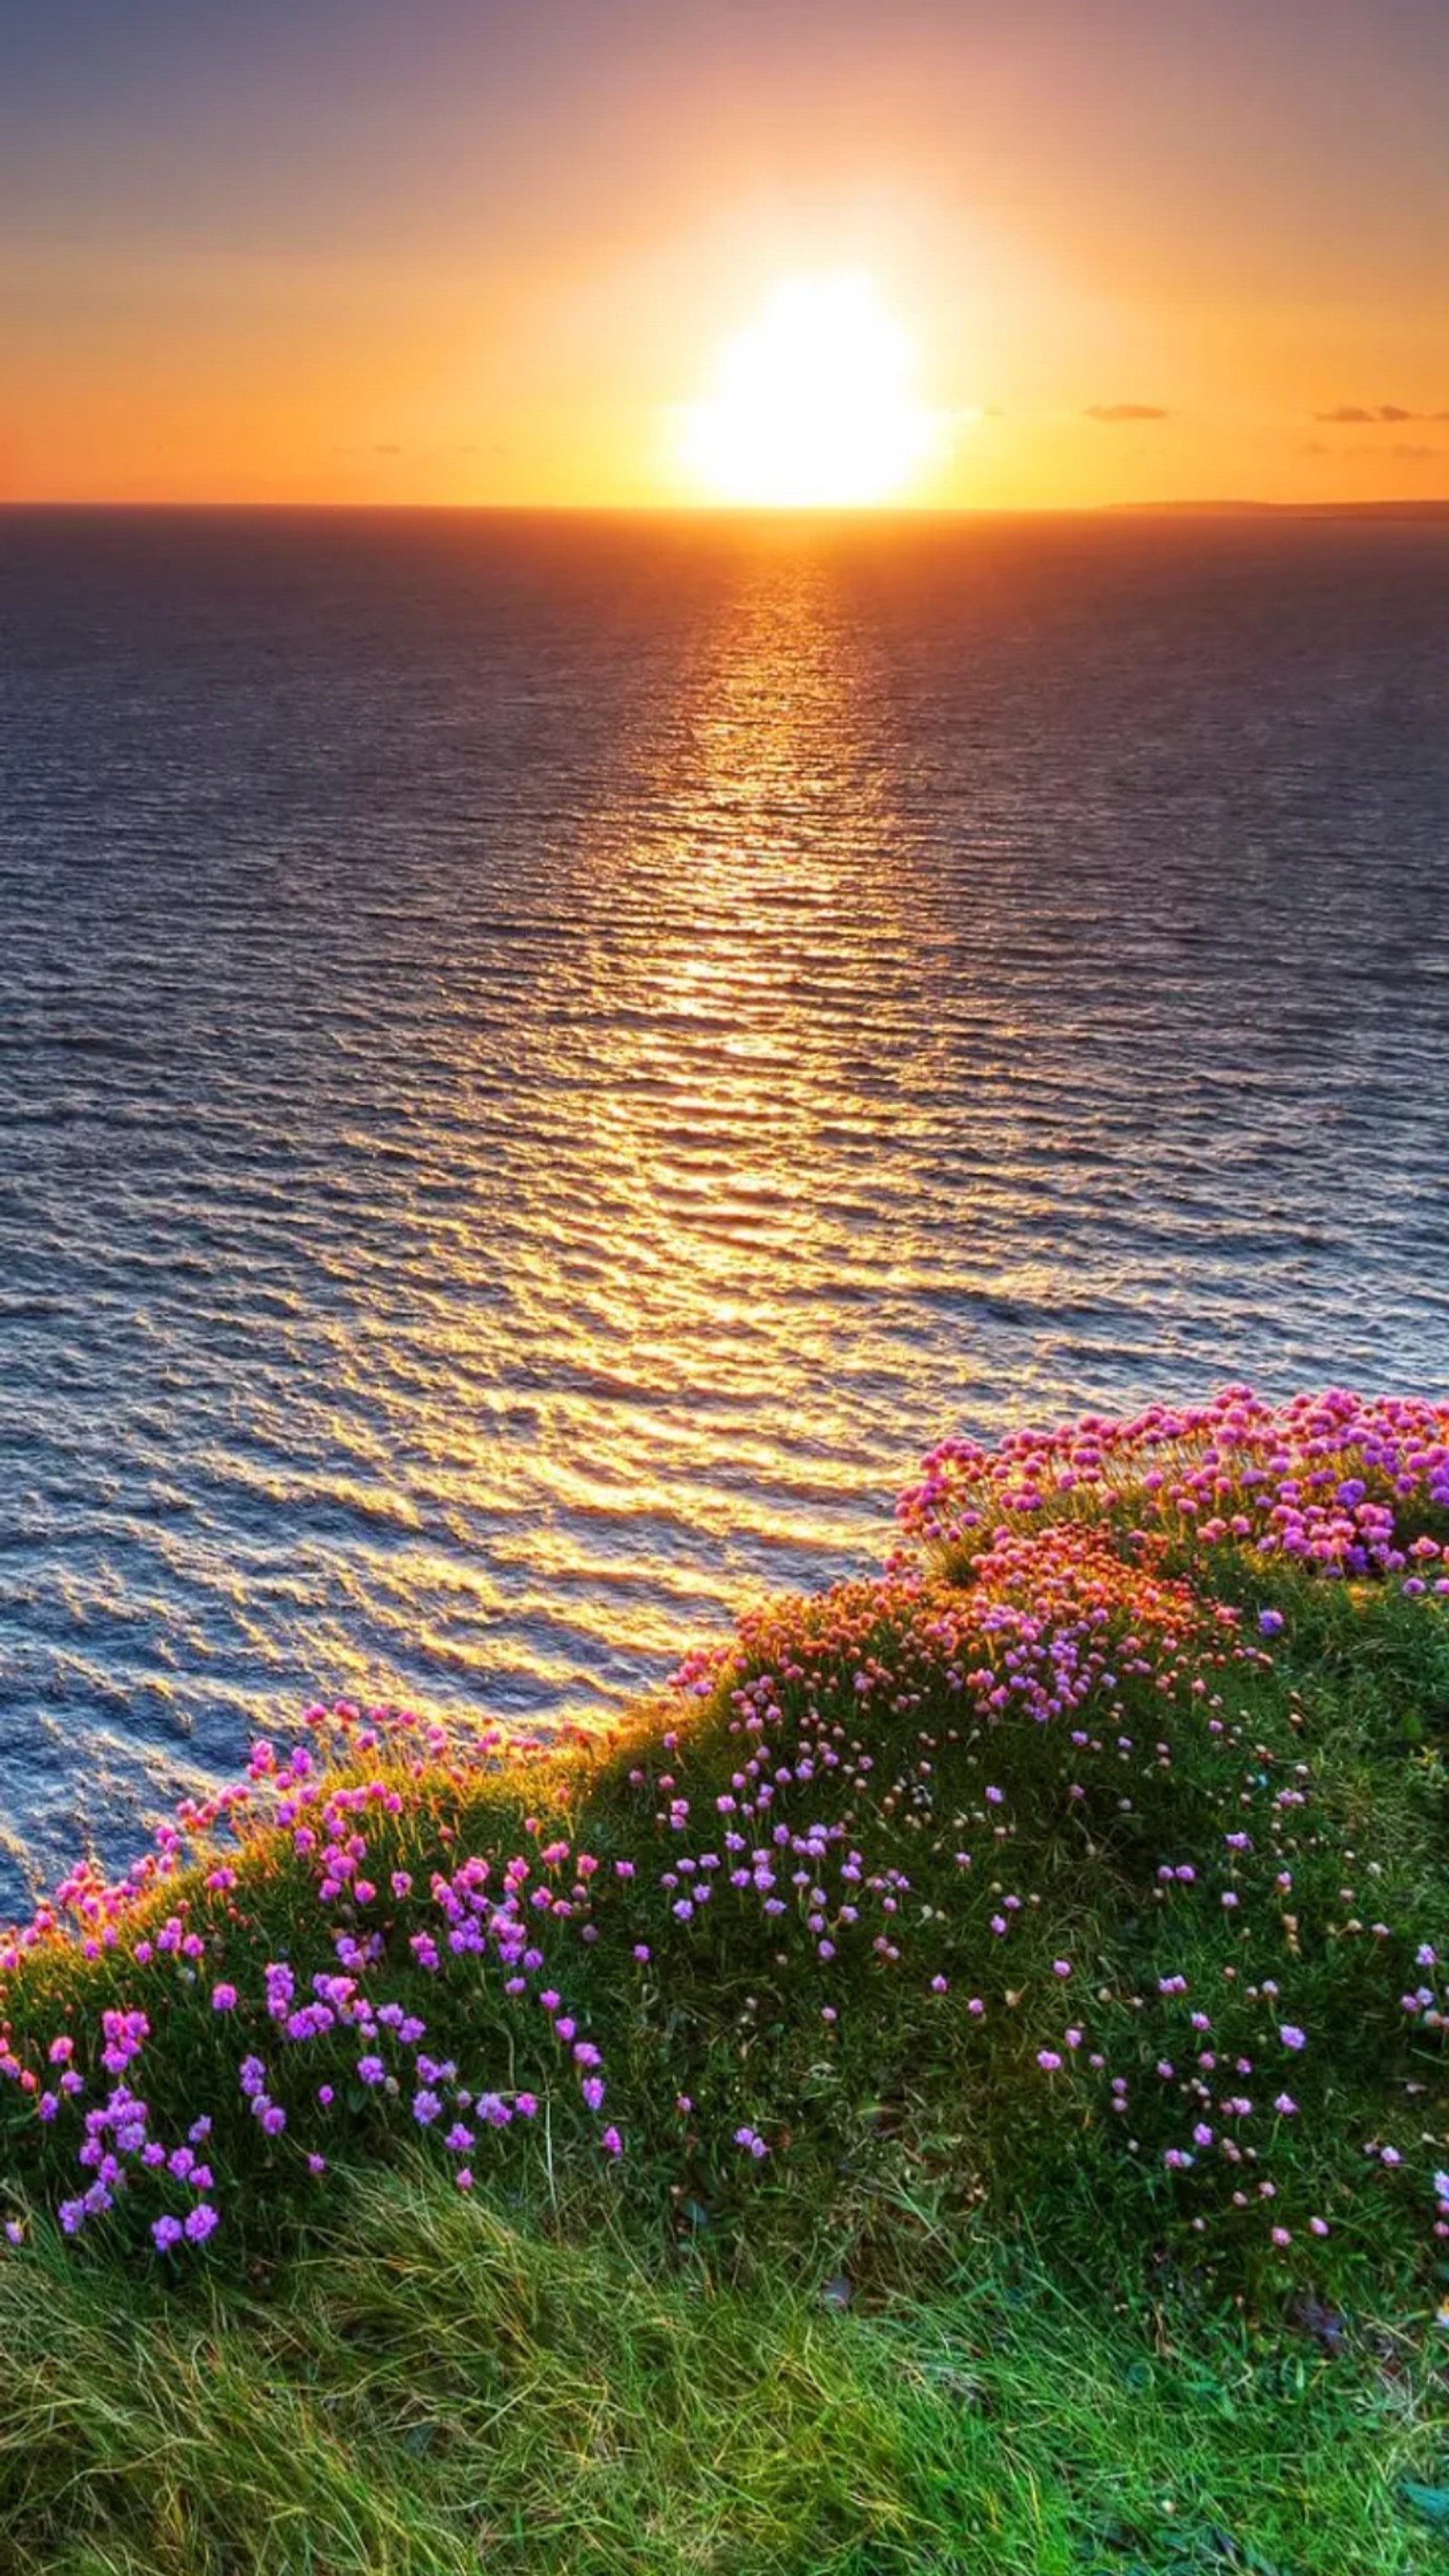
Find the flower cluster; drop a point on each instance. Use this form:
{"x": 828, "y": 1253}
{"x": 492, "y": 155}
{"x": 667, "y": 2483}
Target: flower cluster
{"x": 1034, "y": 1837}
{"x": 1344, "y": 1484}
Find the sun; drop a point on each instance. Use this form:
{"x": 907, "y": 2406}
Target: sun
{"x": 811, "y": 405}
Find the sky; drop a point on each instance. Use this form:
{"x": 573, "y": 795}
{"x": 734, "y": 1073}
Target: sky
{"x": 489, "y": 251}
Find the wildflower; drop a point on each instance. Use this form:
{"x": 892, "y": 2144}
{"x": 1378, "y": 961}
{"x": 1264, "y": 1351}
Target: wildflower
{"x": 201, "y": 2222}
{"x": 167, "y": 2232}
{"x": 1291, "y": 2036}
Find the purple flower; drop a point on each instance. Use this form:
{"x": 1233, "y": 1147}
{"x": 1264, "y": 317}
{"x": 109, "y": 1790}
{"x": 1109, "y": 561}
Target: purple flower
{"x": 201, "y": 2222}
{"x": 1270, "y": 1622}
{"x": 223, "y": 1998}
{"x": 1292, "y": 2036}
{"x": 167, "y": 2232}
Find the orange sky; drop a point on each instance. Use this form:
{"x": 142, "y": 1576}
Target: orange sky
{"x": 339, "y": 250}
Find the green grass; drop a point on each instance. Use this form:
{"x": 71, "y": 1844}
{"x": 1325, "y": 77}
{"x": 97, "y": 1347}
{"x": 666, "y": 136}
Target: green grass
{"x": 439, "y": 2387}
{"x": 961, "y": 2315}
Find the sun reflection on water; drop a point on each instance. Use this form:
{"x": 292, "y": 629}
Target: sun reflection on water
{"x": 539, "y": 1123}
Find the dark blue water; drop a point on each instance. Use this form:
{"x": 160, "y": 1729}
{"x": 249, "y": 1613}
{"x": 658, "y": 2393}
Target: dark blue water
{"x": 542, "y": 1062}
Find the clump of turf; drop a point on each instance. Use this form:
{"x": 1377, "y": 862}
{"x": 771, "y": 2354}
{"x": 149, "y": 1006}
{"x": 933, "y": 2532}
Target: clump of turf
{"x": 1075, "y": 1888}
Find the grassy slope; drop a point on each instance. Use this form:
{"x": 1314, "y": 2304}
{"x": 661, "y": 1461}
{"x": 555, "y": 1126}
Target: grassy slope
{"x": 957, "y": 2315}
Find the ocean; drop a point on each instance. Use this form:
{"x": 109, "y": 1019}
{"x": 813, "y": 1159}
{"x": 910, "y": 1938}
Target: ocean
{"x": 543, "y": 1060}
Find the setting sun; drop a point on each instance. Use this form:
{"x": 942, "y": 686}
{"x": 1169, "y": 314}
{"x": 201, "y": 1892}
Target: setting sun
{"x": 811, "y": 405}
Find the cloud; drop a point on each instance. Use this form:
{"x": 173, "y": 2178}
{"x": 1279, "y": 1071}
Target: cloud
{"x": 1115, "y": 412}
{"x": 1370, "y": 415}
{"x": 1402, "y": 452}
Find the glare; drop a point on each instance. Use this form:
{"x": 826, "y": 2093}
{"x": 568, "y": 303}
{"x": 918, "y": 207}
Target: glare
{"x": 811, "y": 404}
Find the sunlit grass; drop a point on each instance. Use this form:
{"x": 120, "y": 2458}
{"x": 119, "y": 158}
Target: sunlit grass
{"x": 437, "y": 2387}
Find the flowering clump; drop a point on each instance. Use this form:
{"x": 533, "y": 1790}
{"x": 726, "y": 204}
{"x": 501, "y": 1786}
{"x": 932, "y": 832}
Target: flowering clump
{"x": 1340, "y": 1483}
{"x": 1025, "y": 1872}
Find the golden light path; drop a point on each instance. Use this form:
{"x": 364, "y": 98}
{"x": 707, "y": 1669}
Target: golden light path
{"x": 812, "y": 405}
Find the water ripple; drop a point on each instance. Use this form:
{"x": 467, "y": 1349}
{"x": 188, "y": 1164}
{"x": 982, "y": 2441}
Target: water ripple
{"x": 542, "y": 1062}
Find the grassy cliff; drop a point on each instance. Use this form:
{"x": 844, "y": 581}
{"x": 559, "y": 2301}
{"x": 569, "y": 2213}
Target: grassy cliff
{"x": 956, "y": 2085}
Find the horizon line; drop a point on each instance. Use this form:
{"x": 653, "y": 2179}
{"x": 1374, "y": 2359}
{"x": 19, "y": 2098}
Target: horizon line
{"x": 1412, "y": 506}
